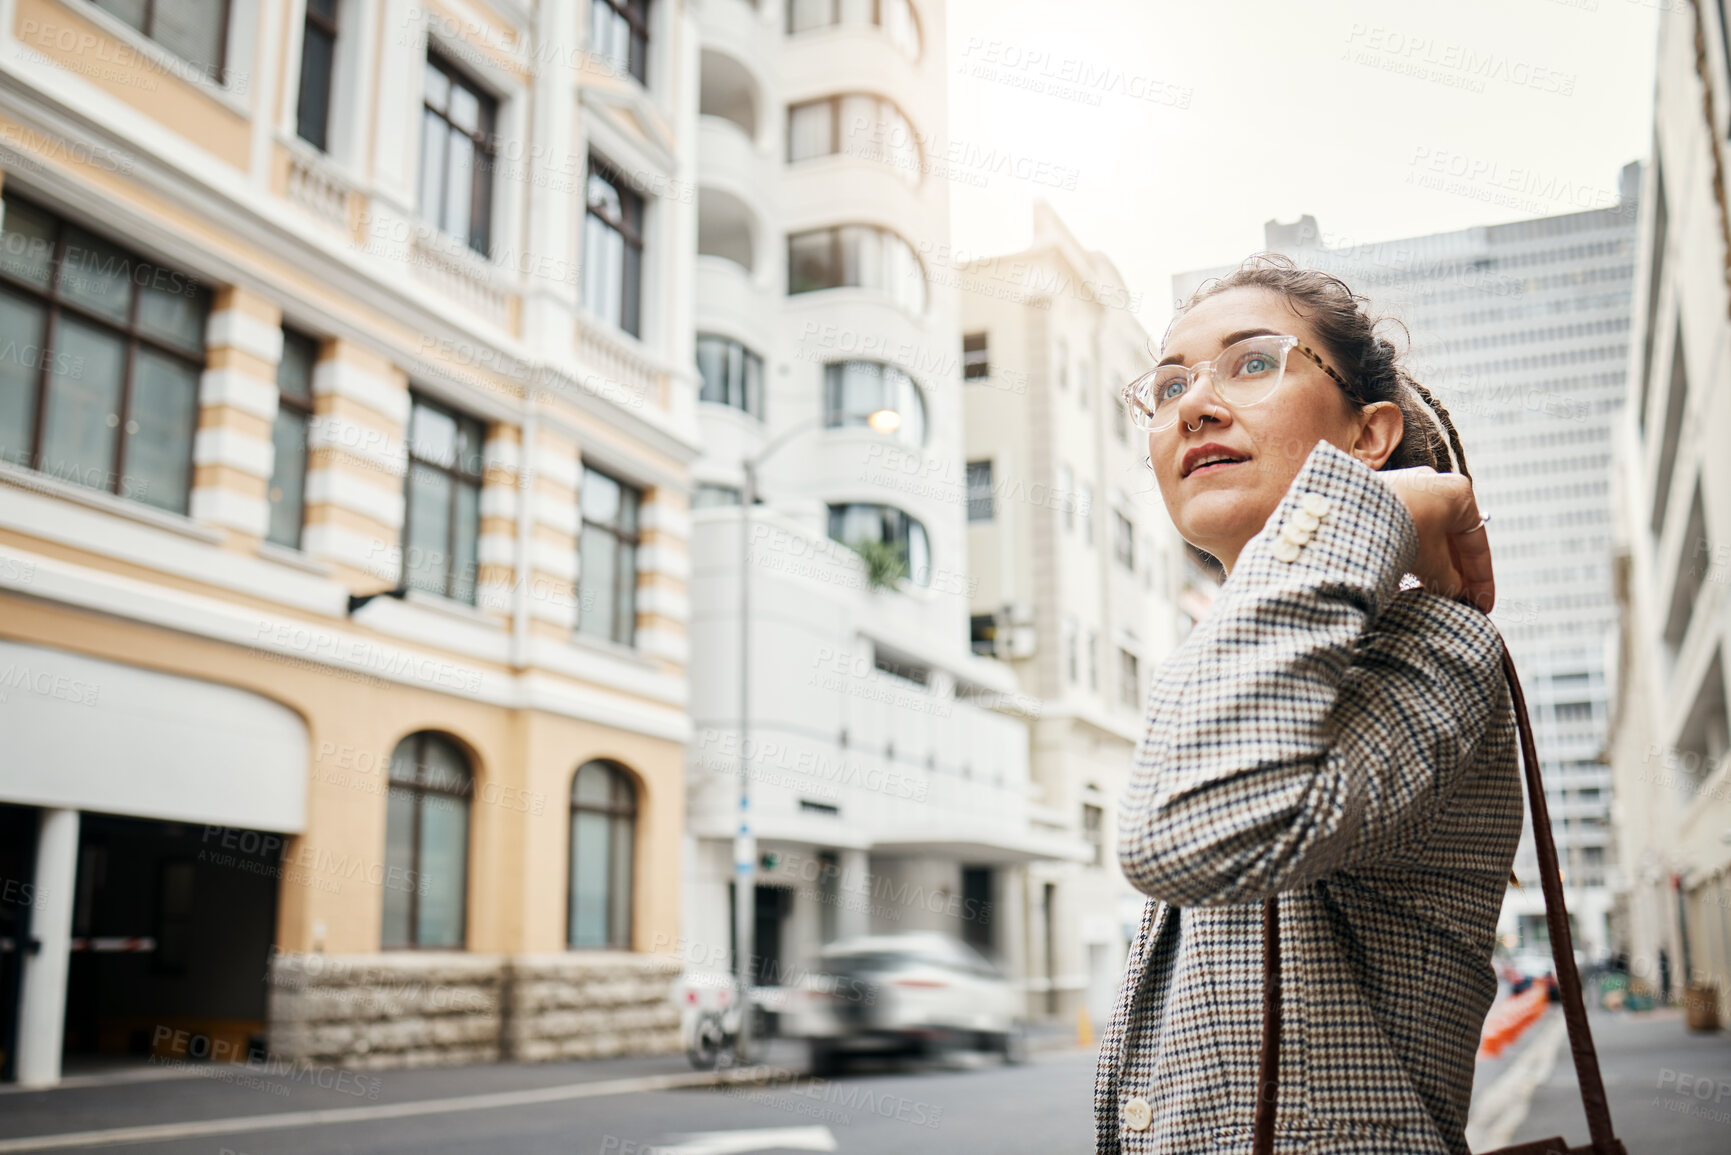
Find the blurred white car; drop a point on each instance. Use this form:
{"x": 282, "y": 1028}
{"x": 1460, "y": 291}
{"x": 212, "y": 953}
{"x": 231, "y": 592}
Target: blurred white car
{"x": 909, "y": 992}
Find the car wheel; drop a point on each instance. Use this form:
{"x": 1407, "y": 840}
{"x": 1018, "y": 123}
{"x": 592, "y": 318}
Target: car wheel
{"x": 1013, "y": 1043}
{"x": 824, "y": 1058}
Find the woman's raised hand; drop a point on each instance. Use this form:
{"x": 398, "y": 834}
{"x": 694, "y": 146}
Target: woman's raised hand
{"x": 1454, "y": 555}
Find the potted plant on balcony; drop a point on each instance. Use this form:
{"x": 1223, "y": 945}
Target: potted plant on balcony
{"x": 885, "y": 565}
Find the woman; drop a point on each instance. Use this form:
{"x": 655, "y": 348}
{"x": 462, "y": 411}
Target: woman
{"x": 1331, "y": 734}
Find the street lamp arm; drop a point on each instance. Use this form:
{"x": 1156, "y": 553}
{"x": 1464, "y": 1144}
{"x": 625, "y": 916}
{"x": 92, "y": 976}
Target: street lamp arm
{"x": 780, "y": 439}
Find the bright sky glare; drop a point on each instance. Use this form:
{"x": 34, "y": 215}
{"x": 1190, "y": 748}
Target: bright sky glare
{"x": 1166, "y": 133}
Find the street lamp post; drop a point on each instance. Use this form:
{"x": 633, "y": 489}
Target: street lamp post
{"x": 744, "y": 839}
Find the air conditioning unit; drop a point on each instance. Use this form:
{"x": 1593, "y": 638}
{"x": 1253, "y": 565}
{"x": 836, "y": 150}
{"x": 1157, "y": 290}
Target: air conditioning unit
{"x": 1013, "y": 642}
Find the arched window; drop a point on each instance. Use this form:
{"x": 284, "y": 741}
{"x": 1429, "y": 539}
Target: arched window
{"x": 854, "y": 390}
{"x": 603, "y": 841}
{"x": 858, "y": 124}
{"x": 858, "y": 522}
{"x": 861, "y": 256}
{"x": 427, "y": 843}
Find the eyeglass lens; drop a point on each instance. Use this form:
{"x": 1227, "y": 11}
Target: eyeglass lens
{"x": 1243, "y": 374}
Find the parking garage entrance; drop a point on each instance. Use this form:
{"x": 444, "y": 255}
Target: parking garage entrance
{"x": 172, "y": 927}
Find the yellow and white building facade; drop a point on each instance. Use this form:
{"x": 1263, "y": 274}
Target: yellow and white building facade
{"x": 347, "y": 404}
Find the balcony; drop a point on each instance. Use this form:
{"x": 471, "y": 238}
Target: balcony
{"x": 729, "y": 158}
{"x": 311, "y": 183}
{"x": 730, "y": 301}
{"x": 855, "y": 58}
{"x": 729, "y": 90}
{"x": 614, "y": 365}
{"x": 747, "y": 32}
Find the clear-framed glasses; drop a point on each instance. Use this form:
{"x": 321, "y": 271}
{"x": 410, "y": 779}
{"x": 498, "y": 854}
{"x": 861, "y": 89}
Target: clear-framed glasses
{"x": 1245, "y": 374}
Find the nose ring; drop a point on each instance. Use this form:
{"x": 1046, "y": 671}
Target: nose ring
{"x": 1197, "y": 428}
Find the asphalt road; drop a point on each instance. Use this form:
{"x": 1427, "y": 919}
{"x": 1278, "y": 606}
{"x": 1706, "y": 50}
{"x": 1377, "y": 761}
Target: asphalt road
{"x": 1670, "y": 1092}
{"x": 1043, "y": 1106}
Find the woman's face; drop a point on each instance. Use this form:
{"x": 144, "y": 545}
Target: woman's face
{"x": 1221, "y": 507}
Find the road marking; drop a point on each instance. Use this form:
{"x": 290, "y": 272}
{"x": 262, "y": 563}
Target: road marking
{"x": 1503, "y": 1108}
{"x": 115, "y": 1136}
{"x": 763, "y": 1139}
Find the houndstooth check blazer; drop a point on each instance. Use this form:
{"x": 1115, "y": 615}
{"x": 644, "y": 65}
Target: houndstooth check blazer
{"x": 1348, "y": 745}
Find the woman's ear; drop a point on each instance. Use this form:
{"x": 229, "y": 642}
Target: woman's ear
{"x": 1381, "y": 429}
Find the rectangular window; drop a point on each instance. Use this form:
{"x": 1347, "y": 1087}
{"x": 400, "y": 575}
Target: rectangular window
{"x": 1072, "y": 671}
{"x": 976, "y": 362}
{"x": 1093, "y": 658}
{"x": 983, "y": 633}
{"x": 711, "y": 496}
{"x": 619, "y": 34}
{"x": 103, "y": 388}
{"x": 194, "y": 30}
{"x": 1066, "y": 495}
{"x": 613, "y": 250}
{"x": 607, "y": 558}
{"x": 294, "y": 411}
{"x": 980, "y": 491}
{"x": 732, "y": 374}
{"x": 1085, "y": 510}
{"x": 811, "y": 130}
{"x": 318, "y": 61}
{"x": 442, "y": 525}
{"x": 1123, "y": 541}
{"x": 1094, "y": 831}
{"x": 1129, "y": 680}
{"x": 457, "y": 132}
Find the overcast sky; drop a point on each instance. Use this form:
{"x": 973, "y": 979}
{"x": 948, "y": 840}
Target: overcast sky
{"x": 1166, "y": 133}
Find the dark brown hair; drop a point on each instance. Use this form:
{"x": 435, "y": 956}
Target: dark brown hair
{"x": 1346, "y": 329}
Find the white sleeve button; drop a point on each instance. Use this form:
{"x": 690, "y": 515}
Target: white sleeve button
{"x": 1285, "y": 549}
{"x": 1138, "y": 1114}
{"x": 1315, "y": 504}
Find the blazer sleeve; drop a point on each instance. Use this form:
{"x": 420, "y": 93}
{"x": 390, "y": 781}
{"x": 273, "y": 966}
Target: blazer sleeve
{"x": 1282, "y": 748}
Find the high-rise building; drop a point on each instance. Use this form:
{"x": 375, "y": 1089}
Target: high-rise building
{"x": 1670, "y": 733}
{"x": 886, "y": 761}
{"x": 346, "y": 414}
{"x": 1079, "y": 572}
{"x": 1521, "y": 331}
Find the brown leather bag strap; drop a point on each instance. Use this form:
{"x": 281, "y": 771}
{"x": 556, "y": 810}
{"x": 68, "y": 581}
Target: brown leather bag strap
{"x": 1587, "y": 1075}
{"x": 1268, "y": 1064}
{"x": 1602, "y": 1140}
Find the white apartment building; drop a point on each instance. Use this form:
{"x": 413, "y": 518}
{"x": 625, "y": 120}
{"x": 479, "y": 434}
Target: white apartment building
{"x": 888, "y": 769}
{"x": 1521, "y": 330}
{"x": 347, "y": 407}
{"x": 1669, "y": 739}
{"x": 1080, "y": 575}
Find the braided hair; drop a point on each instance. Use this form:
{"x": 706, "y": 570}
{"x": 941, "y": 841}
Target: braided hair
{"x": 1347, "y": 329}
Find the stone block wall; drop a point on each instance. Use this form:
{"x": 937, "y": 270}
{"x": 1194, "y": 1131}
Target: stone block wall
{"x": 590, "y": 1005}
{"x": 435, "y": 1008}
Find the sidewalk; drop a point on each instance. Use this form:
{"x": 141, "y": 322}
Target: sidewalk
{"x": 1669, "y": 1090}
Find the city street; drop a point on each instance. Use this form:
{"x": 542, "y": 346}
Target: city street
{"x": 1669, "y": 1091}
